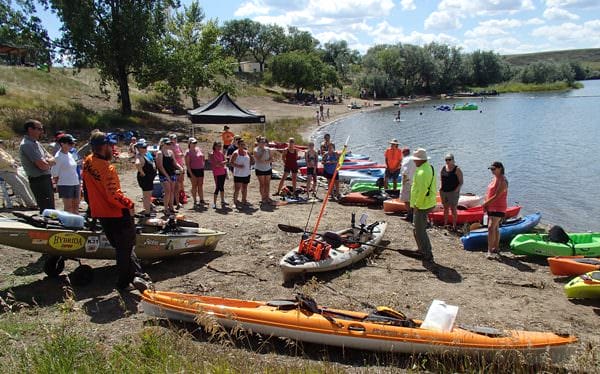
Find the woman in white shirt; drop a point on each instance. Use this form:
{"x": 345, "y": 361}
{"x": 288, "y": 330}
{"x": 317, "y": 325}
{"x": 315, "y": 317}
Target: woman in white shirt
{"x": 65, "y": 175}
{"x": 241, "y": 161}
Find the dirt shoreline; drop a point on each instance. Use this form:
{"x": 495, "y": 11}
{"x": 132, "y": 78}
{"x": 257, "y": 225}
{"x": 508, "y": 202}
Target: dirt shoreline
{"x": 513, "y": 292}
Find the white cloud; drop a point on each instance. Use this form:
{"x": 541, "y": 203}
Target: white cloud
{"x": 252, "y": 8}
{"x": 442, "y": 20}
{"x": 485, "y": 31}
{"x": 384, "y": 33}
{"x": 485, "y": 7}
{"x": 568, "y": 35}
{"x": 508, "y": 23}
{"x": 559, "y": 14}
{"x": 408, "y": 5}
{"x": 328, "y": 36}
{"x": 578, "y": 4}
{"x": 535, "y": 21}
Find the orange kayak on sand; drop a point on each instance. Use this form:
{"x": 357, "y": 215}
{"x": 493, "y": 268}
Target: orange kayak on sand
{"x": 573, "y": 265}
{"x": 308, "y": 322}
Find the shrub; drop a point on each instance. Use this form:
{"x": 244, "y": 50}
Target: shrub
{"x": 2, "y": 90}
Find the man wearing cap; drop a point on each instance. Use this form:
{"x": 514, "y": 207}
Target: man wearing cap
{"x": 37, "y": 163}
{"x": 227, "y": 137}
{"x": 113, "y": 209}
{"x": 393, "y": 161}
{"x": 422, "y": 200}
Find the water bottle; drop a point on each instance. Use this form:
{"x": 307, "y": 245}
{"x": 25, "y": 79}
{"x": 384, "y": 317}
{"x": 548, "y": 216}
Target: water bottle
{"x": 69, "y": 220}
{"x": 485, "y": 219}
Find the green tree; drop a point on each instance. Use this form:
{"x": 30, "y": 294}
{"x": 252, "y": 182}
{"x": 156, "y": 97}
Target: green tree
{"x": 447, "y": 69}
{"x": 192, "y": 57}
{"x": 20, "y": 27}
{"x": 298, "y": 40}
{"x": 269, "y": 41}
{"x": 298, "y": 70}
{"x": 487, "y": 67}
{"x": 341, "y": 57}
{"x": 237, "y": 37}
{"x": 115, "y": 36}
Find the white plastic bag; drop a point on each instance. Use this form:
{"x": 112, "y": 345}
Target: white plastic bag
{"x": 440, "y": 316}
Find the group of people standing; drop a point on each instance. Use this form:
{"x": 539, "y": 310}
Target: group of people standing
{"x": 418, "y": 192}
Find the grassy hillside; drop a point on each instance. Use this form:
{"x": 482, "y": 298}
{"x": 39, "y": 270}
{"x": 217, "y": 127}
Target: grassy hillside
{"x": 588, "y": 57}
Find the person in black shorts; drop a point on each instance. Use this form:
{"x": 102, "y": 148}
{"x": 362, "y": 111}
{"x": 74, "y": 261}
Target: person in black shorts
{"x": 146, "y": 171}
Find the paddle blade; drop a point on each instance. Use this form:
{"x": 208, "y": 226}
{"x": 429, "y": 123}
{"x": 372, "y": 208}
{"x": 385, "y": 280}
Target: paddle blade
{"x": 291, "y": 229}
{"x": 333, "y": 239}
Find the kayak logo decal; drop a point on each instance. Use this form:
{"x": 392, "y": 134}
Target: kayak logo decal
{"x": 67, "y": 241}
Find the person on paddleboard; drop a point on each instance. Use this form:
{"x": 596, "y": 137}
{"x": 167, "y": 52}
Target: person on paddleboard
{"x": 114, "y": 210}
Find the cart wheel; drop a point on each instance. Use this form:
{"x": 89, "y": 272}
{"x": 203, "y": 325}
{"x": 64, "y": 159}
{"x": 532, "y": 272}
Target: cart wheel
{"x": 54, "y": 265}
{"x": 82, "y": 275}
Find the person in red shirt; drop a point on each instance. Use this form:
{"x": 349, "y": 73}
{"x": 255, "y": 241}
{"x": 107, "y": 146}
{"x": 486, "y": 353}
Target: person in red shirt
{"x": 113, "y": 209}
{"x": 393, "y": 162}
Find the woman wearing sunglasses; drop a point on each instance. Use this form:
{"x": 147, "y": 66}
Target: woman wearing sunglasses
{"x": 495, "y": 205}
{"x": 452, "y": 179}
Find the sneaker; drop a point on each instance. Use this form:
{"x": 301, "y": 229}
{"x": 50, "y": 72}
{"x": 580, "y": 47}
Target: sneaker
{"x": 491, "y": 255}
{"x": 214, "y": 206}
{"x": 141, "y": 284}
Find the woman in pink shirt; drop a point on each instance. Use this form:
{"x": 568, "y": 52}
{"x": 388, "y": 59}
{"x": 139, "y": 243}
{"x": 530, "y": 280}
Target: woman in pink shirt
{"x": 495, "y": 205}
{"x": 194, "y": 163}
{"x": 218, "y": 162}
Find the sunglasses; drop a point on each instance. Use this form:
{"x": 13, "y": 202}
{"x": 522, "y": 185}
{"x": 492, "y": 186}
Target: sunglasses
{"x": 448, "y": 159}
{"x": 492, "y": 168}
{"x": 39, "y": 128}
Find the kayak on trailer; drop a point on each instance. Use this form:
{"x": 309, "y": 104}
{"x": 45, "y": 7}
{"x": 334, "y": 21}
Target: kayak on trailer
{"x": 358, "y": 165}
{"x": 470, "y": 215}
{"x": 383, "y": 329}
{"x": 573, "y": 265}
{"x": 580, "y": 244}
{"x": 477, "y": 239}
{"x": 299, "y": 261}
{"x": 154, "y": 241}
{"x": 398, "y": 206}
{"x": 585, "y": 286}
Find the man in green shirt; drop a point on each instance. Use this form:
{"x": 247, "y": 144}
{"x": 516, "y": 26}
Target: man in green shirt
{"x": 422, "y": 200}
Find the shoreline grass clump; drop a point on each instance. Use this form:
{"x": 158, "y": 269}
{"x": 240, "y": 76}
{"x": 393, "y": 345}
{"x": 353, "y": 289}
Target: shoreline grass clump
{"x": 515, "y": 87}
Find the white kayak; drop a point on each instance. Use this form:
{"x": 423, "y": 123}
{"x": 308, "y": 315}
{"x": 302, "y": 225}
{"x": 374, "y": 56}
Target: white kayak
{"x": 351, "y": 251}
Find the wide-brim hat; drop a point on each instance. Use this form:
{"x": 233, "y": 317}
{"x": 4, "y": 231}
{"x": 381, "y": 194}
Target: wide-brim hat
{"x": 420, "y": 155}
{"x": 394, "y": 141}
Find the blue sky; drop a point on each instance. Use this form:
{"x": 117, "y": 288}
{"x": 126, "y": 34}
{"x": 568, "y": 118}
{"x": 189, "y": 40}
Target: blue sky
{"x": 505, "y": 26}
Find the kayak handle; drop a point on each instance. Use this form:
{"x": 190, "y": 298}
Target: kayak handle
{"x": 356, "y": 328}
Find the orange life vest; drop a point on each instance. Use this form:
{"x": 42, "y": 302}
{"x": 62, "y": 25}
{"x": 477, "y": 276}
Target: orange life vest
{"x": 317, "y": 249}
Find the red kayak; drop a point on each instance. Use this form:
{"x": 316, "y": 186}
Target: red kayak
{"x": 353, "y": 166}
{"x": 470, "y": 215}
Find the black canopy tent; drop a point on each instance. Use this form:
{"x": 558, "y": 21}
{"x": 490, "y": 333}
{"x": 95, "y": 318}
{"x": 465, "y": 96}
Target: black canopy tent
{"x": 222, "y": 110}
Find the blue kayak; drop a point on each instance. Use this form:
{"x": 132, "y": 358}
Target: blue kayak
{"x": 477, "y": 239}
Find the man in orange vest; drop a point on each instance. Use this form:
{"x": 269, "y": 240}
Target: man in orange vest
{"x": 113, "y": 209}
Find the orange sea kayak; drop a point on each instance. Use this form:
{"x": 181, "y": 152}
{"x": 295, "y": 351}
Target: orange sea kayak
{"x": 573, "y": 265}
{"x": 285, "y": 318}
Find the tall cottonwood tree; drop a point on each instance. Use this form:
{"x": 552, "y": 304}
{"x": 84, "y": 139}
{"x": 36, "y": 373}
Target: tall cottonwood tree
{"x": 116, "y": 36}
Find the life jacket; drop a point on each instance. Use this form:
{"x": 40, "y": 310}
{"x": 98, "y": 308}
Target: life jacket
{"x": 317, "y": 249}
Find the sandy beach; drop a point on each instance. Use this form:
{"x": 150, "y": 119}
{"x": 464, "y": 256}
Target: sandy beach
{"x": 512, "y": 292}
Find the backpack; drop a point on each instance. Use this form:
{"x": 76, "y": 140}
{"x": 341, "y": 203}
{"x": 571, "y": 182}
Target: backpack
{"x": 558, "y": 235}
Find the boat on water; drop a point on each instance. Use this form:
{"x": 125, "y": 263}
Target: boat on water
{"x": 466, "y": 106}
{"x": 380, "y": 330}
{"x": 356, "y": 243}
{"x": 155, "y": 241}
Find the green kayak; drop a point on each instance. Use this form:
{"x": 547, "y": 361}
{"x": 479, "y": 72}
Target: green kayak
{"x": 581, "y": 244}
{"x": 371, "y": 186}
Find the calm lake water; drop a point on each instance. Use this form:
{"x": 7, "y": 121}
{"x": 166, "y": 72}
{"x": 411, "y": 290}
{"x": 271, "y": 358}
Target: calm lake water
{"x": 549, "y": 144}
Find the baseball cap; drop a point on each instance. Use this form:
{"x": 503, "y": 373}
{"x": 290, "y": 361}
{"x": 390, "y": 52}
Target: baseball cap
{"x": 100, "y": 138}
